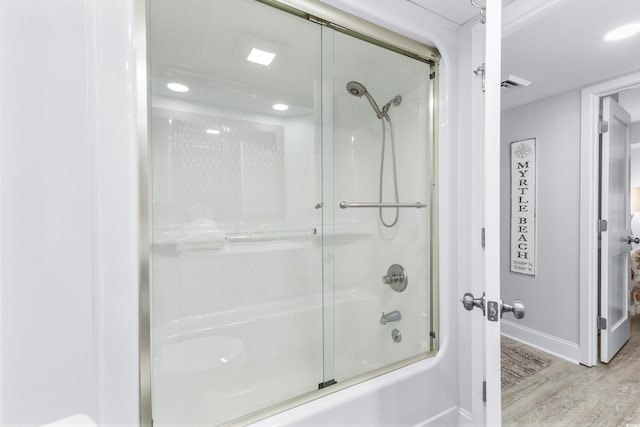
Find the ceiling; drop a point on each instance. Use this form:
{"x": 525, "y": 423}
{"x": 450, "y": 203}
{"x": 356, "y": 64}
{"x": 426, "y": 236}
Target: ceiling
{"x": 456, "y": 11}
{"x": 204, "y": 44}
{"x": 560, "y": 49}
{"x": 565, "y": 49}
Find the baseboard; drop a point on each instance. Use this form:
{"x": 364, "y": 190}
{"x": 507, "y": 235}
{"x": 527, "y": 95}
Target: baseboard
{"x": 547, "y": 343}
{"x": 464, "y": 417}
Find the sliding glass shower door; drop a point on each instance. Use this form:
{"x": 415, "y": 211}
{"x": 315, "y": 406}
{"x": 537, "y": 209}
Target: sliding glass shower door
{"x": 380, "y": 131}
{"x": 237, "y": 259}
{"x": 264, "y": 290}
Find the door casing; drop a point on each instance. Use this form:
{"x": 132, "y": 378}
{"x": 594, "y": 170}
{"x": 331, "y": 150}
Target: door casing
{"x": 589, "y": 190}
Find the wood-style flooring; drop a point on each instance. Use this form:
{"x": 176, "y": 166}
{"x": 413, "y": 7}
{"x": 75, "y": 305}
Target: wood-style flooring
{"x": 565, "y": 394}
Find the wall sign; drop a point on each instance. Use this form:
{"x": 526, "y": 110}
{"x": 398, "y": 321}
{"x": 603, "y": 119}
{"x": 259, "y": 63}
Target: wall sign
{"x": 523, "y": 206}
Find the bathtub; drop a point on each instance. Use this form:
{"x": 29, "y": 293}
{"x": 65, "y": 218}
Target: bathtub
{"x": 216, "y": 368}
{"x": 210, "y": 369}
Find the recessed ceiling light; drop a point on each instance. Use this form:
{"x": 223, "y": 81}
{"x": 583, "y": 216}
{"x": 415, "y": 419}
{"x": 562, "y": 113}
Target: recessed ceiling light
{"x": 260, "y": 56}
{"x": 623, "y": 32}
{"x": 213, "y": 131}
{"x": 280, "y": 107}
{"x": 178, "y": 87}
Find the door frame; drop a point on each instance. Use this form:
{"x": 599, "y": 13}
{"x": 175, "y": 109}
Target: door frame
{"x": 589, "y": 190}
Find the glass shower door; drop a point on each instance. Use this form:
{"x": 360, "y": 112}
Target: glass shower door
{"x": 236, "y": 247}
{"x": 378, "y": 151}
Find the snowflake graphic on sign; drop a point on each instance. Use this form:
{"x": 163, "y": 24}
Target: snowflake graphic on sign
{"x": 523, "y": 151}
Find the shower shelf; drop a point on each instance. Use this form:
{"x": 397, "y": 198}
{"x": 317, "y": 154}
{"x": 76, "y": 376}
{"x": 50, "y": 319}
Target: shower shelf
{"x": 178, "y": 239}
{"x": 270, "y": 235}
{"x": 349, "y": 205}
{"x": 216, "y": 239}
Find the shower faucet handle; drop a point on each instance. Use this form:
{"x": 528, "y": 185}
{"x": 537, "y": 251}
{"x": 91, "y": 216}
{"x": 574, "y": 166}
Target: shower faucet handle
{"x": 396, "y": 277}
{"x": 389, "y": 279}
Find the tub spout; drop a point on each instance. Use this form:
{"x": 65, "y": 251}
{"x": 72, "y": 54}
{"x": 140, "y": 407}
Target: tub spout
{"x": 393, "y": 316}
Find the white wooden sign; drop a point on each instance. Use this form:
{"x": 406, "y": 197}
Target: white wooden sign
{"x": 523, "y": 206}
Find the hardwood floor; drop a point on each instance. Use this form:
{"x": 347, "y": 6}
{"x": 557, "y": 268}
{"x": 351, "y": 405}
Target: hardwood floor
{"x": 565, "y": 394}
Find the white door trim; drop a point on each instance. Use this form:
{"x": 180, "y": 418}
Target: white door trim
{"x": 589, "y": 158}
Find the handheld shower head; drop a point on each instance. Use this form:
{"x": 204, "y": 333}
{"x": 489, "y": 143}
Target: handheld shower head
{"x": 358, "y": 89}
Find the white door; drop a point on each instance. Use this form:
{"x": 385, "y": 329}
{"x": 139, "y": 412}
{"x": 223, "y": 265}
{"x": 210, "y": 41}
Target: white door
{"x": 485, "y": 333}
{"x": 493, "y": 63}
{"x": 615, "y": 245}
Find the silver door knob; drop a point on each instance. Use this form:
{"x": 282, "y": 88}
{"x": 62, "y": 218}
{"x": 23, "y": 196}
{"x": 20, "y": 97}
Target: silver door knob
{"x": 469, "y": 302}
{"x": 632, "y": 239}
{"x": 516, "y": 307}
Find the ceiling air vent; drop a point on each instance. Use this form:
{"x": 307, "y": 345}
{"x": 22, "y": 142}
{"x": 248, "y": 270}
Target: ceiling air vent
{"x": 514, "y": 81}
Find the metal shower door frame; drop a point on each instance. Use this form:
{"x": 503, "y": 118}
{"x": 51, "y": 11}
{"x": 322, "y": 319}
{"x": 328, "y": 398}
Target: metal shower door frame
{"x": 322, "y": 14}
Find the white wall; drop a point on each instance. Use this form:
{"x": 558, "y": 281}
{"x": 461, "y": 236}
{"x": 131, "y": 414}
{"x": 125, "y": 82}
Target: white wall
{"x": 47, "y": 313}
{"x": 634, "y": 133}
{"x": 634, "y": 139}
{"x": 552, "y": 317}
{"x": 68, "y": 200}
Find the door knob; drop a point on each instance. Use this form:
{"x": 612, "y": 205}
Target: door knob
{"x": 632, "y": 239}
{"x": 516, "y": 307}
{"x": 469, "y": 302}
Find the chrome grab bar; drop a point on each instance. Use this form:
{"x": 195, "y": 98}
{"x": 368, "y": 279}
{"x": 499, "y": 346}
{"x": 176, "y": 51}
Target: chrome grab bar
{"x": 346, "y": 205}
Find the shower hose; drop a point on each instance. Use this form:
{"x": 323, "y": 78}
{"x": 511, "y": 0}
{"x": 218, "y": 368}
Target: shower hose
{"x": 395, "y": 174}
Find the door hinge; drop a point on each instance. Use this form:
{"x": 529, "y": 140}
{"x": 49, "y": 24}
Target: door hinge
{"x": 602, "y": 323}
{"x": 480, "y": 72}
{"x": 602, "y": 225}
{"x": 482, "y": 238}
{"x": 484, "y": 391}
{"x": 432, "y": 75}
{"x": 603, "y": 127}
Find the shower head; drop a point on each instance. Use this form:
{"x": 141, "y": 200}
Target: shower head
{"x": 358, "y": 89}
